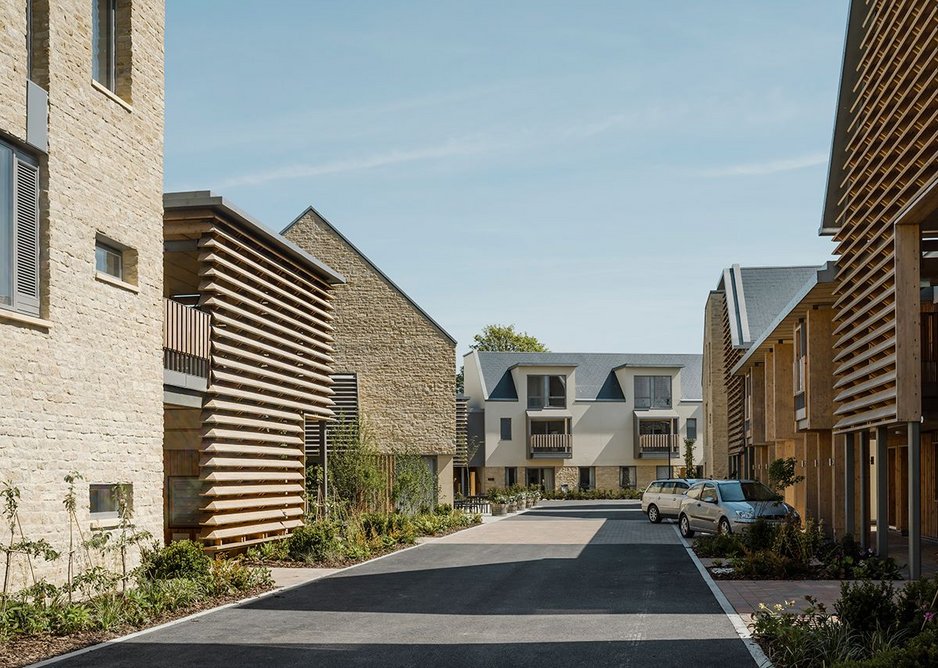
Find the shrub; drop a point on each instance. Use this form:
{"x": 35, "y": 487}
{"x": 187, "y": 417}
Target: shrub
{"x": 767, "y": 565}
{"x": 67, "y": 619}
{"x": 914, "y": 600}
{"x": 230, "y": 576}
{"x": 182, "y": 559}
{"x": 316, "y": 542}
{"x": 594, "y": 494}
{"x": 759, "y": 536}
{"x": 922, "y": 650}
{"x": 867, "y": 606}
{"x": 799, "y": 545}
{"x": 719, "y": 545}
{"x": 274, "y": 550}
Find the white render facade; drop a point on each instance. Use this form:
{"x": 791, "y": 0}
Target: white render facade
{"x": 587, "y": 420}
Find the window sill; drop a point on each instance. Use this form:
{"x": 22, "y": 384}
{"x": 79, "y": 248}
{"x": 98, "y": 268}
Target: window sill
{"x": 111, "y": 94}
{"x": 105, "y": 523}
{"x": 116, "y": 282}
{"x": 15, "y": 318}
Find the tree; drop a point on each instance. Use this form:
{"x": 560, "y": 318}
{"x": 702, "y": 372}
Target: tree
{"x": 782, "y": 474}
{"x": 501, "y": 339}
{"x": 504, "y": 338}
{"x": 689, "y": 457}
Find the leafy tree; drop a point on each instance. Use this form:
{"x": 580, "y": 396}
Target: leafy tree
{"x": 501, "y": 339}
{"x": 782, "y": 474}
{"x": 689, "y": 457}
{"x": 504, "y": 338}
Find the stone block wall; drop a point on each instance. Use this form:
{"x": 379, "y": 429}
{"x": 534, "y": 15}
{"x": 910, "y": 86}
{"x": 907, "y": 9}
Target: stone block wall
{"x": 716, "y": 443}
{"x": 81, "y": 389}
{"x": 405, "y": 363}
{"x": 607, "y": 477}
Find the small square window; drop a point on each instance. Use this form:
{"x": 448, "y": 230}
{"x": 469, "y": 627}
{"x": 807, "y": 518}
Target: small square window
{"x": 107, "y": 500}
{"x": 109, "y": 260}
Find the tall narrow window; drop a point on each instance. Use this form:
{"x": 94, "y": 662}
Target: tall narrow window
{"x": 104, "y": 43}
{"x": 511, "y": 476}
{"x": 692, "y": 429}
{"x": 19, "y": 231}
{"x": 505, "y": 427}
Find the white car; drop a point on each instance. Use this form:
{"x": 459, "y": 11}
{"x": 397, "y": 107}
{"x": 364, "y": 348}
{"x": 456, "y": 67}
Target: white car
{"x": 662, "y": 498}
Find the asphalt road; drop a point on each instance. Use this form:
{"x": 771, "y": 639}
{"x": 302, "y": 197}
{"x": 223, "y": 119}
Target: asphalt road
{"x": 588, "y": 583}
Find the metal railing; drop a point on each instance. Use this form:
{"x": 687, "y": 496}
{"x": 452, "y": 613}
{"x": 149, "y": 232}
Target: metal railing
{"x": 473, "y": 504}
{"x": 186, "y": 339}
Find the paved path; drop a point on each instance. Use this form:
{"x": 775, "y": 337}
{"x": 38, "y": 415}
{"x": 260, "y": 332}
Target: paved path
{"x": 567, "y": 583}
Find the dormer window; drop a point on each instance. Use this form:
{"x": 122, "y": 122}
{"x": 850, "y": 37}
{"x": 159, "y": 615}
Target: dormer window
{"x": 652, "y": 392}
{"x": 547, "y": 392}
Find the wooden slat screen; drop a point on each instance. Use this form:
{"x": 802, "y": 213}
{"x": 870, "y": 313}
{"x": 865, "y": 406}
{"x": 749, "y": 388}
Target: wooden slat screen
{"x": 462, "y": 432}
{"x": 890, "y": 159}
{"x": 345, "y": 398}
{"x": 271, "y": 364}
{"x": 186, "y": 329}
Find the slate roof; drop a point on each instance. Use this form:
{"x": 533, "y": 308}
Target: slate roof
{"x": 595, "y": 372}
{"x": 766, "y": 291}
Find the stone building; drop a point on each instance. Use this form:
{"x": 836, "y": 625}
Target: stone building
{"x": 582, "y": 420}
{"x": 396, "y": 361}
{"x": 81, "y": 251}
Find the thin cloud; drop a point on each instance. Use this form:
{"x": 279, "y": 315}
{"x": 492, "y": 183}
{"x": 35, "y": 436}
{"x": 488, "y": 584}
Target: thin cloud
{"x": 301, "y": 171}
{"x": 768, "y": 167}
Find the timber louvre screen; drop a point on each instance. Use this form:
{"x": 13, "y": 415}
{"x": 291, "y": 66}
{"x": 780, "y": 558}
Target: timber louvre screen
{"x": 889, "y": 160}
{"x": 345, "y": 397}
{"x": 271, "y": 358}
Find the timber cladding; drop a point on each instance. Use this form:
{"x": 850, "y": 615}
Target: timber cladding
{"x": 271, "y": 365}
{"x": 404, "y": 362}
{"x": 883, "y": 161}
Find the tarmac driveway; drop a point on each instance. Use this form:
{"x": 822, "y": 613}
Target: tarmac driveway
{"x": 567, "y": 583}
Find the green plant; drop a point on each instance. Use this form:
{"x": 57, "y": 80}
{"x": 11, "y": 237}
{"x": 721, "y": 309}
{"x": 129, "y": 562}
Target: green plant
{"x": 316, "y": 542}
{"x": 10, "y": 496}
{"x": 867, "y": 606}
{"x": 688, "y": 456}
{"x": 759, "y": 536}
{"x": 782, "y": 474}
{"x": 181, "y": 559}
{"x": 766, "y": 565}
{"x": 719, "y": 545}
{"x": 415, "y": 486}
{"x": 274, "y": 550}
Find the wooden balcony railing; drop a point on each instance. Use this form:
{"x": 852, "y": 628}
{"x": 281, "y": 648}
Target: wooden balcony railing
{"x": 550, "y": 446}
{"x": 662, "y": 445}
{"x": 186, "y": 336}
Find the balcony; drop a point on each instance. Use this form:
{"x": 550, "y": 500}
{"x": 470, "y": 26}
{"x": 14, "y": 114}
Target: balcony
{"x": 661, "y": 446}
{"x": 550, "y": 446}
{"x": 186, "y": 336}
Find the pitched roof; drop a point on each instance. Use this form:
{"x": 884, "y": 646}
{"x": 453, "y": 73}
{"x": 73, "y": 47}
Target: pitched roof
{"x": 756, "y": 295}
{"x": 374, "y": 267}
{"x": 595, "y": 372}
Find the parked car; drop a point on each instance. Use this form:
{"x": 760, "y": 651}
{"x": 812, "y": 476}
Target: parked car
{"x": 662, "y": 498}
{"x": 725, "y": 506}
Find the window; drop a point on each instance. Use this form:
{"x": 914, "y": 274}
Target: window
{"x": 801, "y": 351}
{"x": 586, "y": 478}
{"x": 663, "y": 472}
{"x": 548, "y": 427}
{"x": 627, "y": 477}
{"x": 542, "y": 477}
{"x": 19, "y": 231}
{"x": 547, "y": 392}
{"x": 184, "y": 501}
{"x": 694, "y": 492}
{"x": 709, "y": 493}
{"x": 109, "y": 260}
{"x": 505, "y": 425}
{"x": 646, "y": 427}
{"x": 652, "y": 392}
{"x": 104, "y": 43}
{"x": 107, "y": 501}
{"x": 692, "y": 429}
{"x": 511, "y": 476}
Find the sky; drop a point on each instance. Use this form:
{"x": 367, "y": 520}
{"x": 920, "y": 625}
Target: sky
{"x": 582, "y": 170}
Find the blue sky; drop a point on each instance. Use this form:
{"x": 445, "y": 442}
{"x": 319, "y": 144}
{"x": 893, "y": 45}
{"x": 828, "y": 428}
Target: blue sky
{"x": 583, "y": 170}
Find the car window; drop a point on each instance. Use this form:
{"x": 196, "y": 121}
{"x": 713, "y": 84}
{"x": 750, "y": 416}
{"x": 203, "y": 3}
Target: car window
{"x": 746, "y": 491}
{"x": 653, "y": 488}
{"x": 667, "y": 488}
{"x": 679, "y": 487}
{"x": 694, "y": 492}
{"x": 709, "y": 493}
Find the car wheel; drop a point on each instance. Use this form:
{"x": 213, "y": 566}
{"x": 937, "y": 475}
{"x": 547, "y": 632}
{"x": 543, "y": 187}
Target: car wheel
{"x": 724, "y": 527}
{"x": 653, "y": 515}
{"x": 684, "y": 524}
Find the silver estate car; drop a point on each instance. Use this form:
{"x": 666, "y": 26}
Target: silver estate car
{"x": 725, "y": 506}
{"x": 662, "y": 498}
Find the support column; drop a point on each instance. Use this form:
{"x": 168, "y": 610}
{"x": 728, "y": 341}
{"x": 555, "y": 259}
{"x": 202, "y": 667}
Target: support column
{"x": 882, "y": 492}
{"x": 849, "y": 491}
{"x": 915, "y": 501}
{"x": 864, "y": 489}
